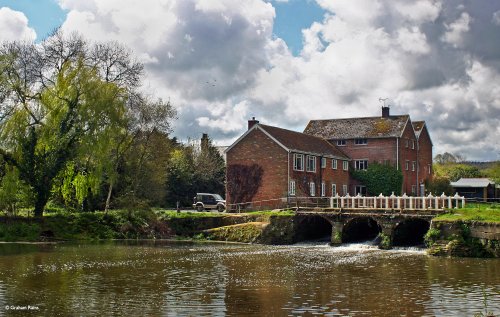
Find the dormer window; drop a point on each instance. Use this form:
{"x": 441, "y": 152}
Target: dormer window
{"x": 360, "y": 141}
{"x": 341, "y": 142}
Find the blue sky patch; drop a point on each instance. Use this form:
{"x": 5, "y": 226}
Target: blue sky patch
{"x": 292, "y": 17}
{"x": 43, "y": 15}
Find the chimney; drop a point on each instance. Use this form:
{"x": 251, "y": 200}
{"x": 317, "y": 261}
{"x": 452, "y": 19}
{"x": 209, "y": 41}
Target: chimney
{"x": 385, "y": 112}
{"x": 252, "y": 122}
{"x": 204, "y": 142}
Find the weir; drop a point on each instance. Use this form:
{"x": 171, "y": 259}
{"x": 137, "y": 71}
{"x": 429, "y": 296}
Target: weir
{"x": 399, "y": 228}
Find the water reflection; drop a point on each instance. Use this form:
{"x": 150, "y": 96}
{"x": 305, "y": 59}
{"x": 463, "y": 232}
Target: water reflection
{"x": 204, "y": 279}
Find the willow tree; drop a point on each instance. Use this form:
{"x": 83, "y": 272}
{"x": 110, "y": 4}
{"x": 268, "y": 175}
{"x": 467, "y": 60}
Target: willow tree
{"x": 62, "y": 100}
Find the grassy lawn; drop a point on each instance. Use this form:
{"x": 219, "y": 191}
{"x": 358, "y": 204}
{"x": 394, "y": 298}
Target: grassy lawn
{"x": 473, "y": 212}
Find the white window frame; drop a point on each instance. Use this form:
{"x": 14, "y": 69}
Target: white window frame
{"x": 334, "y": 189}
{"x": 429, "y": 168}
{"x": 407, "y": 143}
{"x": 361, "y": 141}
{"x": 312, "y": 159}
{"x": 361, "y": 165}
{"x": 345, "y": 165}
{"x": 413, "y": 144}
{"x": 323, "y": 189}
{"x": 292, "y": 188}
{"x": 413, "y": 166}
{"x": 407, "y": 165}
{"x": 295, "y": 157}
{"x": 312, "y": 189}
{"x": 413, "y": 189}
{"x": 334, "y": 164}
{"x": 341, "y": 142}
{"x": 323, "y": 162}
{"x": 345, "y": 190}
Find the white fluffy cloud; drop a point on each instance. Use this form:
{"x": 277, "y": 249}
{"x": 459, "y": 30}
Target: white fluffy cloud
{"x": 14, "y": 26}
{"x": 220, "y": 64}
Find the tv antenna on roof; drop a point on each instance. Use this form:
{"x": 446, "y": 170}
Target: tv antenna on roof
{"x": 380, "y": 99}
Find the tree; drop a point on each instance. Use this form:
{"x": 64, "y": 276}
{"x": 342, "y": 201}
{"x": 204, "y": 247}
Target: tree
{"x": 180, "y": 177}
{"x": 439, "y": 185}
{"x": 380, "y": 178}
{"x": 209, "y": 168}
{"x": 494, "y": 172}
{"x": 66, "y": 102}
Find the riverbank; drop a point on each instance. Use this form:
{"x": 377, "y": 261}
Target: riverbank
{"x": 465, "y": 232}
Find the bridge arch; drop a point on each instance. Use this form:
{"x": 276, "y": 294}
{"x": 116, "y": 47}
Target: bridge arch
{"x": 359, "y": 229}
{"x": 410, "y": 232}
{"x": 313, "y": 227}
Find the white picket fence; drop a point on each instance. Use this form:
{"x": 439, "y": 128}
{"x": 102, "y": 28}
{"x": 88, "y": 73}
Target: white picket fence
{"x": 391, "y": 202}
{"x": 398, "y": 202}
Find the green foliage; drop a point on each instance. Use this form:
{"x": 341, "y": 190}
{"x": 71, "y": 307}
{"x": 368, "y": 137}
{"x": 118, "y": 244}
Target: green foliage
{"x": 493, "y": 173}
{"x": 455, "y": 171}
{"x": 20, "y": 231}
{"x": 385, "y": 241}
{"x": 439, "y": 185}
{"x": 13, "y": 192}
{"x": 380, "y": 178}
{"x": 432, "y": 236}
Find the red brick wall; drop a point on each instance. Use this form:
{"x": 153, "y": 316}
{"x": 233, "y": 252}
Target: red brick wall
{"x": 328, "y": 175}
{"x": 425, "y": 156}
{"x": 258, "y": 148}
{"x": 407, "y": 153}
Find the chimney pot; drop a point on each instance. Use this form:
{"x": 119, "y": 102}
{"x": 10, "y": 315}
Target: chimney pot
{"x": 385, "y": 112}
{"x": 252, "y": 122}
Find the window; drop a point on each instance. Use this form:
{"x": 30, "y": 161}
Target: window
{"x": 345, "y": 165}
{"x": 413, "y": 166}
{"x": 344, "y": 190}
{"x": 340, "y": 142}
{"x": 292, "y": 188}
{"x": 413, "y": 144}
{"x": 311, "y": 163}
{"x": 334, "y": 164}
{"x": 407, "y": 165}
{"x": 298, "y": 162}
{"x": 323, "y": 190}
{"x": 429, "y": 168}
{"x": 387, "y": 162}
{"x": 334, "y": 189}
{"x": 360, "y": 164}
{"x": 312, "y": 189}
{"x": 360, "y": 189}
{"x": 406, "y": 143}
{"x": 413, "y": 189}
{"x": 323, "y": 162}
{"x": 360, "y": 141}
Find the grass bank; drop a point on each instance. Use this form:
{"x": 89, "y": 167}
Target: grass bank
{"x": 473, "y": 212}
{"x": 119, "y": 224}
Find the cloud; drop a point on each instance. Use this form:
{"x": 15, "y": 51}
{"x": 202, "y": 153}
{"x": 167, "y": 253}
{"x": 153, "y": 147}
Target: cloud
{"x": 220, "y": 64}
{"x": 14, "y": 26}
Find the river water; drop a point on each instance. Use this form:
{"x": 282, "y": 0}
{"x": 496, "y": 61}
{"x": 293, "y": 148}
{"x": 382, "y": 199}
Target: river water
{"x": 214, "y": 279}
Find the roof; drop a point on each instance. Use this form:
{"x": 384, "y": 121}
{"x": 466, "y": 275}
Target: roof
{"x": 472, "y": 182}
{"x": 417, "y": 127}
{"x": 353, "y": 128}
{"x": 293, "y": 141}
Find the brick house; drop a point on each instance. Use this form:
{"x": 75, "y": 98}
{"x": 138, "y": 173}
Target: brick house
{"x": 388, "y": 139}
{"x": 268, "y": 163}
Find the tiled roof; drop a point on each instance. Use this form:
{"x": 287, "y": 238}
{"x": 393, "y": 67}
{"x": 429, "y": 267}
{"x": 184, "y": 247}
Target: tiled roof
{"x": 472, "y": 182}
{"x": 301, "y": 142}
{"x": 352, "y": 128}
{"x": 417, "y": 127}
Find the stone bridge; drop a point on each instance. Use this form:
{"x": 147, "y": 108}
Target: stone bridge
{"x": 403, "y": 228}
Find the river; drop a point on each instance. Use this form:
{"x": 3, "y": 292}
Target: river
{"x": 215, "y": 279}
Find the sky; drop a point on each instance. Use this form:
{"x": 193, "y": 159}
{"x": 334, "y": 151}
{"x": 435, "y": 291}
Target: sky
{"x": 221, "y": 62}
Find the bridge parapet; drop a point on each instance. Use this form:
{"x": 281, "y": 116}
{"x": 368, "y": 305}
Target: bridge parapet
{"x": 394, "y": 202}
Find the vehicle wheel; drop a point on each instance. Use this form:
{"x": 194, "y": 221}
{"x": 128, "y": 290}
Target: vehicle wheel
{"x": 199, "y": 208}
{"x": 220, "y": 208}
